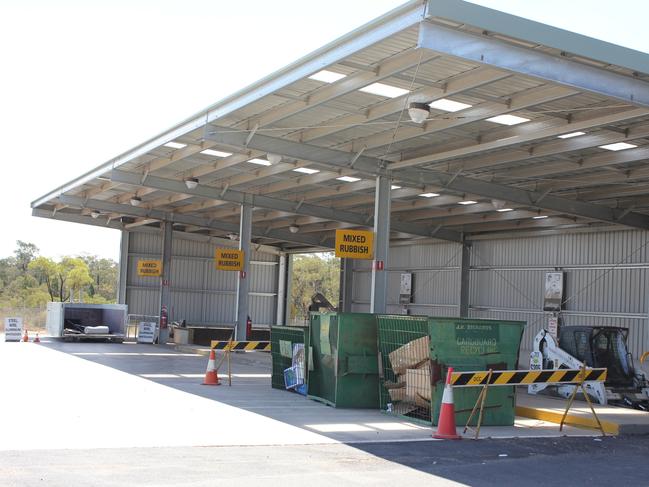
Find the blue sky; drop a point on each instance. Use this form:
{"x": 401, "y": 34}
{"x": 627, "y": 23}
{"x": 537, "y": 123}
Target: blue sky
{"x": 84, "y": 81}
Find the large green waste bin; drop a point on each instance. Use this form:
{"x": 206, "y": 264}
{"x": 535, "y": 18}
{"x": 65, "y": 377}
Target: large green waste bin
{"x": 395, "y": 332}
{"x": 467, "y": 345}
{"x": 282, "y": 339}
{"x": 344, "y": 372}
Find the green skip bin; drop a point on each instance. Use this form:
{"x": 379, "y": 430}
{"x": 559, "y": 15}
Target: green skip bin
{"x": 344, "y": 372}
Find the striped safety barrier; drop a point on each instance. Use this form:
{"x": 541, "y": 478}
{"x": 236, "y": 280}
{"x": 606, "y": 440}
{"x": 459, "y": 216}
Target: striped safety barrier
{"x": 235, "y": 345}
{"x": 525, "y": 377}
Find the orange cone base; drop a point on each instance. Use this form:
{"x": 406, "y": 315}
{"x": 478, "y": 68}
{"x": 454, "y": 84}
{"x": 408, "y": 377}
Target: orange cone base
{"x": 211, "y": 379}
{"x": 446, "y": 437}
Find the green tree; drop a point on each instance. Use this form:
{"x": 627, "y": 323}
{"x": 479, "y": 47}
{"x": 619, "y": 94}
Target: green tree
{"x": 313, "y": 273}
{"x": 25, "y": 252}
{"x": 104, "y": 278}
{"x": 46, "y": 271}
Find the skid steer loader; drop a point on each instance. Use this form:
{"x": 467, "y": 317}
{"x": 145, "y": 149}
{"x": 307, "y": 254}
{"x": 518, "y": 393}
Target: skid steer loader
{"x": 592, "y": 346}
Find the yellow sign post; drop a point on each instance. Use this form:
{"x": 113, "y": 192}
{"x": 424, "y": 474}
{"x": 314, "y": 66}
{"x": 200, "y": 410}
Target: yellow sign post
{"x": 228, "y": 259}
{"x": 354, "y": 244}
{"x": 149, "y": 268}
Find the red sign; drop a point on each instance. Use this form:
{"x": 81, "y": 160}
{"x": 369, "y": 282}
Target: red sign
{"x": 242, "y": 274}
{"x": 378, "y": 265}
{"x": 165, "y": 282}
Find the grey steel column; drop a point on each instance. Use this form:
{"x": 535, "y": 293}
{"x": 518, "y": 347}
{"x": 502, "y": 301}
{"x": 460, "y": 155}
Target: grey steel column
{"x": 465, "y": 282}
{"x": 346, "y": 285}
{"x": 379, "y": 291}
{"x": 123, "y": 267}
{"x": 165, "y": 279}
{"x": 243, "y": 284}
{"x": 281, "y": 290}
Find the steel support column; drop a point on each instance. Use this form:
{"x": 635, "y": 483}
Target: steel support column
{"x": 281, "y": 290}
{"x": 243, "y": 284}
{"x": 165, "y": 279}
{"x": 123, "y": 267}
{"x": 346, "y": 285}
{"x": 465, "y": 282}
{"x": 379, "y": 291}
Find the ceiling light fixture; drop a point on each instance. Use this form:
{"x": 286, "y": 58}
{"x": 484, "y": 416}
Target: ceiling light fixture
{"x": 232, "y": 236}
{"x": 293, "y": 229}
{"x": 467, "y": 202}
{"x": 618, "y": 146}
{"x": 136, "y": 200}
{"x": 394, "y": 186}
{"x": 175, "y": 145}
{"x": 94, "y": 214}
{"x": 448, "y": 105}
{"x": 306, "y": 170}
{"x": 348, "y": 179}
{"x": 505, "y": 210}
{"x": 326, "y": 76}
{"x": 508, "y": 119}
{"x": 540, "y": 217}
{"x": 260, "y": 162}
{"x": 191, "y": 183}
{"x": 418, "y": 112}
{"x": 571, "y": 135}
{"x": 429, "y": 195}
{"x": 497, "y": 204}
{"x": 381, "y": 89}
{"x": 216, "y": 153}
{"x": 273, "y": 158}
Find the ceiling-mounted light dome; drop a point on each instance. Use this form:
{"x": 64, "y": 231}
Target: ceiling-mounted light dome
{"x": 232, "y": 236}
{"x": 94, "y": 214}
{"x": 273, "y": 158}
{"x": 136, "y": 200}
{"x": 191, "y": 183}
{"x": 498, "y": 204}
{"x": 418, "y": 112}
{"x": 293, "y": 229}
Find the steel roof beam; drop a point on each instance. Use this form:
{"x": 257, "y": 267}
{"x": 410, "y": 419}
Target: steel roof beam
{"x": 372, "y": 166}
{"x": 499, "y": 54}
{"x": 188, "y": 220}
{"x": 261, "y": 201}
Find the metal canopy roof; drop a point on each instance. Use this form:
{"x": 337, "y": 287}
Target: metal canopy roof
{"x": 496, "y": 64}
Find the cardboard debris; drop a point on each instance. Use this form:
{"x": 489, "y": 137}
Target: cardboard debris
{"x": 418, "y": 390}
{"x": 410, "y": 355}
{"x": 397, "y": 394}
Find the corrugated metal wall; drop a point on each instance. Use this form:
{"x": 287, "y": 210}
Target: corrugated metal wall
{"x": 436, "y": 279}
{"x": 199, "y": 293}
{"x": 606, "y": 280}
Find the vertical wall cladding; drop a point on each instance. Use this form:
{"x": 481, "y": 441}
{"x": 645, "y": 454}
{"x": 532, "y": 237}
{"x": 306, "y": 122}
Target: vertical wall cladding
{"x": 200, "y": 293}
{"x": 606, "y": 281}
{"x": 436, "y": 279}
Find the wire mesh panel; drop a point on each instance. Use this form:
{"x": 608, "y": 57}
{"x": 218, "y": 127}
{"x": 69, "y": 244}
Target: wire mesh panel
{"x": 282, "y": 339}
{"x": 405, "y": 375}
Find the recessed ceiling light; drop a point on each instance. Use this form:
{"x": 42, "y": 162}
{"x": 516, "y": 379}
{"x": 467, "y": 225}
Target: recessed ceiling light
{"x": 429, "y": 195}
{"x": 327, "y": 76}
{"x": 467, "y": 202}
{"x": 382, "y": 89}
{"x": 261, "y": 162}
{"x": 216, "y": 153}
{"x": 306, "y": 170}
{"x": 618, "y": 146}
{"x": 448, "y": 105}
{"x": 508, "y": 119}
{"x": 540, "y": 217}
{"x": 175, "y": 145}
{"x": 571, "y": 135}
{"x": 504, "y": 210}
{"x": 95, "y": 214}
{"x": 348, "y": 179}
{"x": 394, "y": 186}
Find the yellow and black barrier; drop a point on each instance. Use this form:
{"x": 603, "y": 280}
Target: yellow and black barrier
{"x": 241, "y": 346}
{"x": 488, "y": 378}
{"x": 526, "y": 377}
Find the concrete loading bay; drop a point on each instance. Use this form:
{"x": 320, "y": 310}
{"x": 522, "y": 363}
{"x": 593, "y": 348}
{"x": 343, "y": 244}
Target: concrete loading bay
{"x": 142, "y": 417}
{"x": 511, "y": 160}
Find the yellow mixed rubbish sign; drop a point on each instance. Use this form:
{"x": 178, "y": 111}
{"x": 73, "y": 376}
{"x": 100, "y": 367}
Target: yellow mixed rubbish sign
{"x": 354, "y": 244}
{"x": 228, "y": 259}
{"x": 150, "y": 268}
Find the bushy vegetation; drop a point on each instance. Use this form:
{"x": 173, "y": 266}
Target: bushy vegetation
{"x": 29, "y": 280}
{"x": 313, "y": 273}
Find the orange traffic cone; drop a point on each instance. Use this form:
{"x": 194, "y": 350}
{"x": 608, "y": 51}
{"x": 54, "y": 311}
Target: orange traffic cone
{"x": 37, "y": 339}
{"x": 25, "y": 336}
{"x": 211, "y": 376}
{"x": 446, "y": 422}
